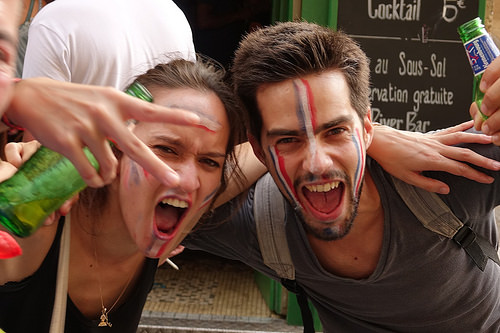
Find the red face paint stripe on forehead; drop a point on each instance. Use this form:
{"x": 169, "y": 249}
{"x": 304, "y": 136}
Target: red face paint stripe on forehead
{"x": 204, "y": 128}
{"x": 310, "y": 100}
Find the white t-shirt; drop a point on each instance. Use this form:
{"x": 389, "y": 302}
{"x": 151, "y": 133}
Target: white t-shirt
{"x": 105, "y": 42}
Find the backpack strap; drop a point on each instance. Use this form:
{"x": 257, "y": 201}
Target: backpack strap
{"x": 436, "y": 216}
{"x": 269, "y": 214}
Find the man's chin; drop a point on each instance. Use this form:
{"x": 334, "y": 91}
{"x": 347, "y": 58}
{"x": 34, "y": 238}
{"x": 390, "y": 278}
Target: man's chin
{"x": 328, "y": 229}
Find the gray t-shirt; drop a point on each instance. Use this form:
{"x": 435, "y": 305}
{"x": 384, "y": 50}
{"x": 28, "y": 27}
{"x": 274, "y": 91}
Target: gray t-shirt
{"x": 423, "y": 282}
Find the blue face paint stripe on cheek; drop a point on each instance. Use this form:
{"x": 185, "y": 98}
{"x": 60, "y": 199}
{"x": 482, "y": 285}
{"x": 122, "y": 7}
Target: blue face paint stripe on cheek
{"x": 135, "y": 176}
{"x": 209, "y": 198}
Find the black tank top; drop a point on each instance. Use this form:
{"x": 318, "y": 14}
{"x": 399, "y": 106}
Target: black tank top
{"x": 26, "y": 306}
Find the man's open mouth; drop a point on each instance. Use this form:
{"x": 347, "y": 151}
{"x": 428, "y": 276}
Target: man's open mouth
{"x": 169, "y": 213}
{"x": 323, "y": 199}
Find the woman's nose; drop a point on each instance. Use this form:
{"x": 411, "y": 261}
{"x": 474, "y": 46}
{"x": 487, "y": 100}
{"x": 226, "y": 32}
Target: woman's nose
{"x": 188, "y": 176}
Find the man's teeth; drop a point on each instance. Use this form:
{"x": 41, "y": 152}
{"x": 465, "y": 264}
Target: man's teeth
{"x": 322, "y": 187}
{"x": 175, "y": 202}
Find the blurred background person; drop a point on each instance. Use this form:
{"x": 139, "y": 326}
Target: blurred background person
{"x": 30, "y": 9}
{"x": 105, "y": 42}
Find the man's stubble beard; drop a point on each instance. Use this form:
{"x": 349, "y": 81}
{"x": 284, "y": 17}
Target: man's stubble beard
{"x": 336, "y": 231}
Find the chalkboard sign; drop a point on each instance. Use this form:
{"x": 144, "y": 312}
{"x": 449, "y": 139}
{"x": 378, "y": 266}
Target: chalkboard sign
{"x": 421, "y": 78}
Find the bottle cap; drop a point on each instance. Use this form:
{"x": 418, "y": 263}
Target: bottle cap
{"x": 470, "y": 26}
{"x": 136, "y": 89}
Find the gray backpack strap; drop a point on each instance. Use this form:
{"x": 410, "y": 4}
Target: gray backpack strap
{"x": 436, "y": 216}
{"x": 269, "y": 214}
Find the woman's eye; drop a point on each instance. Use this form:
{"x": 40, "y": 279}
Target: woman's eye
{"x": 164, "y": 150}
{"x": 209, "y": 162}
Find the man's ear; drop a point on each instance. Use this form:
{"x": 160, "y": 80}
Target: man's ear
{"x": 368, "y": 128}
{"x": 257, "y": 148}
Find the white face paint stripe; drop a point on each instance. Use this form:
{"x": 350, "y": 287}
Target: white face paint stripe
{"x": 306, "y": 115}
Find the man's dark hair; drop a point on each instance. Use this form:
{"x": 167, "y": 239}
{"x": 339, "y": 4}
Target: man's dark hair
{"x": 289, "y": 50}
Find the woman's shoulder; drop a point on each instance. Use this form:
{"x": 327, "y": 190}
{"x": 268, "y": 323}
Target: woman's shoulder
{"x": 35, "y": 249}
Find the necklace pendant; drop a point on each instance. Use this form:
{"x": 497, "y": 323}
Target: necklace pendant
{"x": 104, "y": 319}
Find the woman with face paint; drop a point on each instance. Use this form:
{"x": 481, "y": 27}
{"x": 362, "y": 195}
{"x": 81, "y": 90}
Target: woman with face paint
{"x": 118, "y": 232}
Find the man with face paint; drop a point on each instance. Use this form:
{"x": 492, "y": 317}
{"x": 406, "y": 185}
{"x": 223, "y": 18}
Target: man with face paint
{"x": 364, "y": 260}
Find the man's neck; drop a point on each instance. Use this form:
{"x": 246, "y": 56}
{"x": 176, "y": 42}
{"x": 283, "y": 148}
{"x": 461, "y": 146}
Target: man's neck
{"x": 356, "y": 255}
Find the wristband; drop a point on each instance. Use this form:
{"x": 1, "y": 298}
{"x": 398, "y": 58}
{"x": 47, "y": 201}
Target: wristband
{"x": 10, "y": 125}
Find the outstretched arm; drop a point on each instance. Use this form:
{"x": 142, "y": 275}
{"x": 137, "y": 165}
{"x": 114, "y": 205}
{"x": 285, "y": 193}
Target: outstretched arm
{"x": 403, "y": 154}
{"x": 91, "y": 116}
{"x": 407, "y": 154}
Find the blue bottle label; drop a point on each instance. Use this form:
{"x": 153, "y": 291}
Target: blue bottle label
{"x": 482, "y": 51}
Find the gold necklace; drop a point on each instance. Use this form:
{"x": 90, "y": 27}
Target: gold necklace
{"x": 104, "y": 311}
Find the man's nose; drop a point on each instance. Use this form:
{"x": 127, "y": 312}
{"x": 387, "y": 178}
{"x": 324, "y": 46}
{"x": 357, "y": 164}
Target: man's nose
{"x": 317, "y": 159}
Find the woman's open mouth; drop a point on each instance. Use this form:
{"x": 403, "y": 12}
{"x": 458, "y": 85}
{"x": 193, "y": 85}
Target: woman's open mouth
{"x": 169, "y": 213}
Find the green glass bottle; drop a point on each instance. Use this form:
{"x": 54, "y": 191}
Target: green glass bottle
{"x": 481, "y": 51}
{"x": 44, "y": 183}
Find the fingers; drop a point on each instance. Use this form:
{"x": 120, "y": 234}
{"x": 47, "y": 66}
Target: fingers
{"x": 457, "y": 128}
{"x": 76, "y": 116}
{"x": 176, "y": 251}
{"x": 82, "y": 164}
{"x": 491, "y": 74}
{"x": 491, "y": 100}
{"x": 134, "y": 108}
{"x": 426, "y": 183}
{"x": 7, "y": 170}
{"x": 140, "y": 153}
{"x": 476, "y": 116}
{"x": 102, "y": 152}
{"x": 17, "y": 153}
{"x": 464, "y": 170}
{"x": 66, "y": 206}
{"x": 490, "y": 106}
{"x": 462, "y": 137}
{"x": 450, "y": 166}
{"x": 133, "y": 147}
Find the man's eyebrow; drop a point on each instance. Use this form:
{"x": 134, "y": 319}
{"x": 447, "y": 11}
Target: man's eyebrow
{"x": 288, "y": 132}
{"x": 333, "y": 123}
{"x": 282, "y": 132}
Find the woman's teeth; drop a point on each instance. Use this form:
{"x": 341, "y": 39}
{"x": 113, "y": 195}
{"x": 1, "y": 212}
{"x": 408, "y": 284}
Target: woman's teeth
{"x": 175, "y": 202}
